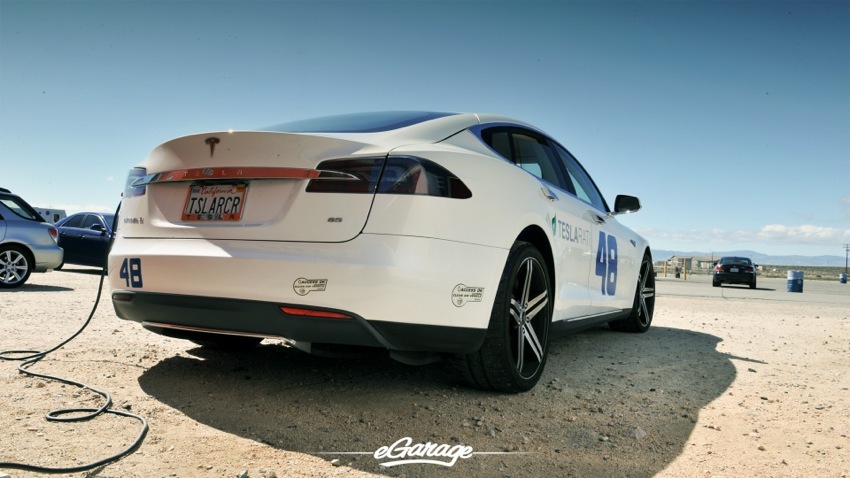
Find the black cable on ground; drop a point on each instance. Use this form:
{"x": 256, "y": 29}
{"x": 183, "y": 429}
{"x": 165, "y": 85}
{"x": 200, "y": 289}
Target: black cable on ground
{"x": 34, "y": 356}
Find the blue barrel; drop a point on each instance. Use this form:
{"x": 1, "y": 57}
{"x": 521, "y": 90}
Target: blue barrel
{"x": 795, "y": 281}
{"x": 842, "y": 278}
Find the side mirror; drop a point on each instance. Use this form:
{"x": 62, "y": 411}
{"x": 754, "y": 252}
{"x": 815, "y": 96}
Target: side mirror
{"x": 98, "y": 228}
{"x": 626, "y": 204}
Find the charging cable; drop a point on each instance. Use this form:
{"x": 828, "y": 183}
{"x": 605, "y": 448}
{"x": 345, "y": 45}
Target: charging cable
{"x": 81, "y": 414}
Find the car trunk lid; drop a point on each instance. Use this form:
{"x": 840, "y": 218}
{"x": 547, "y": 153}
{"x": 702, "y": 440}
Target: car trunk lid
{"x": 251, "y": 186}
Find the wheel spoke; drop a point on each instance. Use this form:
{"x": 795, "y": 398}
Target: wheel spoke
{"x": 516, "y": 311}
{"x": 543, "y": 301}
{"x": 533, "y": 341}
{"x": 520, "y": 348}
{"x": 644, "y": 275}
{"x": 529, "y": 272}
{"x": 542, "y": 297}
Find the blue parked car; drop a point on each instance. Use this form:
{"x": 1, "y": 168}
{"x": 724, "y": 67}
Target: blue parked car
{"x": 85, "y": 238}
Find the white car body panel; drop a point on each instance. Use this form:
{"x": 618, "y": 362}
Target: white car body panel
{"x": 367, "y": 276}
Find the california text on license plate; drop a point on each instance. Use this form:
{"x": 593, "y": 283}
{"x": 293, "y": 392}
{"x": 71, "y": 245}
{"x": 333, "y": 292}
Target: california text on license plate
{"x": 734, "y": 269}
{"x": 221, "y": 202}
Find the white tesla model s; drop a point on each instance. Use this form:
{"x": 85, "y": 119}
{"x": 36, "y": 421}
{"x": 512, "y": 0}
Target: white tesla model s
{"x": 429, "y": 234}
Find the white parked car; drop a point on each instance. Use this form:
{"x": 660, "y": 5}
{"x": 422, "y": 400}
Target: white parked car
{"x": 429, "y": 234}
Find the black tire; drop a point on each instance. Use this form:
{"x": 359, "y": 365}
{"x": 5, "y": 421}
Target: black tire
{"x": 230, "y": 343}
{"x": 715, "y": 283}
{"x": 643, "y": 306}
{"x": 15, "y": 266}
{"x": 515, "y": 348}
{"x": 753, "y": 283}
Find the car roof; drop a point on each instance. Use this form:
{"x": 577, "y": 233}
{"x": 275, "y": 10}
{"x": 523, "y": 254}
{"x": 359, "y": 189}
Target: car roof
{"x": 392, "y": 127}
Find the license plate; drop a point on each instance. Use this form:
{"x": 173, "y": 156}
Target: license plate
{"x": 733, "y": 269}
{"x": 221, "y": 202}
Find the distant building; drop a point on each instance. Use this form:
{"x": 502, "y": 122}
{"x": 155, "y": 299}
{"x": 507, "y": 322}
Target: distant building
{"x": 51, "y": 215}
{"x": 685, "y": 262}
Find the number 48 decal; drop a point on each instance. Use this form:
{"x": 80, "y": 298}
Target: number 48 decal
{"x": 606, "y": 263}
{"x": 131, "y": 272}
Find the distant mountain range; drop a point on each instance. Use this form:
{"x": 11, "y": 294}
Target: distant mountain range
{"x": 758, "y": 258}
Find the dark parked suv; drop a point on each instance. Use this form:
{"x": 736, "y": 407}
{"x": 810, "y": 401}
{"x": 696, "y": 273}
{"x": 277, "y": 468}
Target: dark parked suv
{"x": 27, "y": 243}
{"x": 734, "y": 270}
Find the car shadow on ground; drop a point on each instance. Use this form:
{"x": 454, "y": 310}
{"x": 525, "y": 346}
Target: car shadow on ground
{"x": 600, "y": 387}
{"x": 96, "y": 271}
{"x": 742, "y": 287}
{"x": 30, "y": 287}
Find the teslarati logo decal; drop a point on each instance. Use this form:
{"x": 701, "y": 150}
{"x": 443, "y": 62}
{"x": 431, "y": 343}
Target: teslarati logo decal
{"x": 405, "y": 452}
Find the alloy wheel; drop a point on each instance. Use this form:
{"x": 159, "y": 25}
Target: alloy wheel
{"x": 14, "y": 267}
{"x": 529, "y": 309}
{"x": 646, "y": 294}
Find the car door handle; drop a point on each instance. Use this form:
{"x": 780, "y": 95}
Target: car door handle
{"x": 597, "y": 218}
{"x": 548, "y": 194}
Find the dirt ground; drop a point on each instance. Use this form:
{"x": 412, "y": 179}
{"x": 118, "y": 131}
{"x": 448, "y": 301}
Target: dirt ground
{"x": 729, "y": 382}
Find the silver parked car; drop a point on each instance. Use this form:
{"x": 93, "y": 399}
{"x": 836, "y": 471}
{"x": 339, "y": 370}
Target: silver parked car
{"x": 27, "y": 243}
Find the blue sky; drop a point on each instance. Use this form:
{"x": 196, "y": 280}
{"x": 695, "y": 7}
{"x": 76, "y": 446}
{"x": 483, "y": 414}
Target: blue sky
{"x": 730, "y": 120}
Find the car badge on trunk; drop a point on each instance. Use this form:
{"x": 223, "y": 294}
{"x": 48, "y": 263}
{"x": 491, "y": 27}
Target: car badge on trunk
{"x": 212, "y": 142}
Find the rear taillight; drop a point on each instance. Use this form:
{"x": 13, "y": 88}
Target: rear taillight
{"x": 54, "y": 234}
{"x": 410, "y": 175}
{"x": 395, "y": 175}
{"x": 130, "y": 190}
{"x": 347, "y": 176}
{"x": 718, "y": 268}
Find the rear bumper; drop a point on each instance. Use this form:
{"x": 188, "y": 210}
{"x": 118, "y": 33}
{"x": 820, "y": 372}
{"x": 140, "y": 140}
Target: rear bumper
{"x": 730, "y": 278}
{"x": 401, "y": 292}
{"x": 172, "y": 314}
{"x": 47, "y": 257}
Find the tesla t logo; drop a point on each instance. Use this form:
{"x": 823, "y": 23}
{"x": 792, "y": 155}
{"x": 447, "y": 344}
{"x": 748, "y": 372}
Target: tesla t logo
{"x": 212, "y": 142}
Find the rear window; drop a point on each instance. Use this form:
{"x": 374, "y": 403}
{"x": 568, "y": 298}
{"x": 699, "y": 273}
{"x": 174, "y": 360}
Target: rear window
{"x": 358, "y": 122}
{"x": 21, "y": 208}
{"x": 741, "y": 261}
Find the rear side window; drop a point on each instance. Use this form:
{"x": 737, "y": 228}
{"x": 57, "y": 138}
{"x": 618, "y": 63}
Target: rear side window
{"x": 528, "y": 150}
{"x": 20, "y": 208}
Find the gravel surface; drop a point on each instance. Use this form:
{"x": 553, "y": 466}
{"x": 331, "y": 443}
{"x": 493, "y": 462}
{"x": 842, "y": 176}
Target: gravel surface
{"x": 728, "y": 382}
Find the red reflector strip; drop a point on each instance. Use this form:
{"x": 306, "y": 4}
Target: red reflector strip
{"x": 194, "y": 174}
{"x": 122, "y": 296}
{"x": 314, "y": 313}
